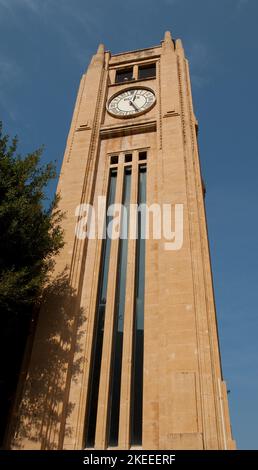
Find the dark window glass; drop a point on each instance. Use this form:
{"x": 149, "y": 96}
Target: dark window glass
{"x": 114, "y": 160}
{"x": 117, "y": 352}
{"x": 138, "y": 333}
{"x": 124, "y": 75}
{"x": 142, "y": 155}
{"x": 147, "y": 71}
{"x": 128, "y": 158}
{"x": 97, "y": 345}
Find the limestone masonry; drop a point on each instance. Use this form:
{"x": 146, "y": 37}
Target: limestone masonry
{"x": 125, "y": 353}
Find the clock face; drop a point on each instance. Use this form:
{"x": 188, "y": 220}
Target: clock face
{"x": 131, "y": 102}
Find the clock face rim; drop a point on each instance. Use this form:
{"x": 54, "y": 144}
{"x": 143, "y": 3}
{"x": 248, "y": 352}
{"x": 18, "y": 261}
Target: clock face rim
{"x": 133, "y": 115}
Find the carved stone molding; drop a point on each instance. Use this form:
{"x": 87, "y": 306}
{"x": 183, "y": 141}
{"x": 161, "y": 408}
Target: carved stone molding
{"x": 127, "y": 129}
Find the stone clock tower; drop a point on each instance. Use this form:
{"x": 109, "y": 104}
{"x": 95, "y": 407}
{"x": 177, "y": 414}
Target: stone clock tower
{"x": 125, "y": 352}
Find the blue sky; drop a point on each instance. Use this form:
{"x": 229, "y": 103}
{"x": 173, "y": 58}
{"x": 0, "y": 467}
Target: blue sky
{"x": 45, "y": 45}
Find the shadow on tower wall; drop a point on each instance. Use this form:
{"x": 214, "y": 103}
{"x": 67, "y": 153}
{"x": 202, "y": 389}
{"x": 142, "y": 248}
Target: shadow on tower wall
{"x": 42, "y": 404}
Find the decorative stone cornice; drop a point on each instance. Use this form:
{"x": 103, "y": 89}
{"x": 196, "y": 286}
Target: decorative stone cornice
{"x": 107, "y": 132}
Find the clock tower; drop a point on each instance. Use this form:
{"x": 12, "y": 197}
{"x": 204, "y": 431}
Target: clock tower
{"x": 125, "y": 351}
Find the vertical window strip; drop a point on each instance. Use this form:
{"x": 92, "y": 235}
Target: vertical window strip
{"x": 97, "y": 344}
{"x": 138, "y": 328}
{"x": 117, "y": 347}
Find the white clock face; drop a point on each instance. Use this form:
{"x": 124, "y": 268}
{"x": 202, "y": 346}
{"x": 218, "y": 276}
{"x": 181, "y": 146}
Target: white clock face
{"x": 131, "y": 102}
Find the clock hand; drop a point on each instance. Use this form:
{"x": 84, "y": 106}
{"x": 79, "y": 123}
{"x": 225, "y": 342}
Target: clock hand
{"x": 134, "y": 96}
{"x": 134, "y": 105}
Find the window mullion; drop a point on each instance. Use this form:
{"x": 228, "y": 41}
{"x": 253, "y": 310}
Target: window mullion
{"x": 124, "y": 430}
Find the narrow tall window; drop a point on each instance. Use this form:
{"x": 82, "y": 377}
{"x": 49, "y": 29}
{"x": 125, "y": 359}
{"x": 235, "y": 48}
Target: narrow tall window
{"x": 138, "y": 333}
{"x": 97, "y": 345}
{"x": 117, "y": 352}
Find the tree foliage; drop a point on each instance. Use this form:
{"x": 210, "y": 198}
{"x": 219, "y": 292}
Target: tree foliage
{"x": 30, "y": 236}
